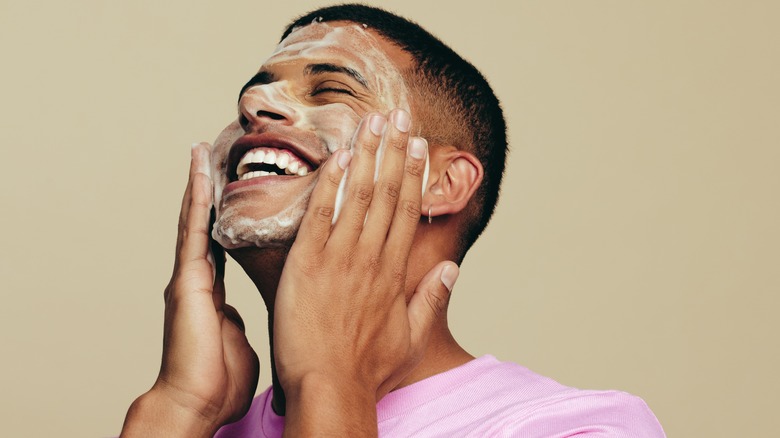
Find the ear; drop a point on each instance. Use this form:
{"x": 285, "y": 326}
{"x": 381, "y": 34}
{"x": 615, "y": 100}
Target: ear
{"x": 454, "y": 177}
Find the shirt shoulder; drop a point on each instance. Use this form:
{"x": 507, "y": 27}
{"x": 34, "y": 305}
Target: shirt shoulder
{"x": 486, "y": 398}
{"x": 586, "y": 413}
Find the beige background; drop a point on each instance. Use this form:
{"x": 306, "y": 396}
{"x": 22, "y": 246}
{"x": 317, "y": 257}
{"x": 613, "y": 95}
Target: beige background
{"x": 635, "y": 247}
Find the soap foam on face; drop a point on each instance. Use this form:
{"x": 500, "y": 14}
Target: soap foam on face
{"x": 327, "y": 128}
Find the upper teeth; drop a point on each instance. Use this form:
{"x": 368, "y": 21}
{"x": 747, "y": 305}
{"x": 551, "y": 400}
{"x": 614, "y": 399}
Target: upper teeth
{"x": 290, "y": 164}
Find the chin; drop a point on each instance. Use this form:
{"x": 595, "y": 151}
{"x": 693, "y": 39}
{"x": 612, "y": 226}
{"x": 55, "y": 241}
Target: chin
{"x": 266, "y": 216}
{"x": 233, "y": 230}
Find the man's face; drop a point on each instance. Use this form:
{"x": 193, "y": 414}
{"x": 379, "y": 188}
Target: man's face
{"x": 305, "y": 103}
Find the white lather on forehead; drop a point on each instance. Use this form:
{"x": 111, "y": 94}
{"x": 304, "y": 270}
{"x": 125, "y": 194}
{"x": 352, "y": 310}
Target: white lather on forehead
{"x": 315, "y": 21}
{"x": 386, "y": 76}
{"x": 329, "y": 36}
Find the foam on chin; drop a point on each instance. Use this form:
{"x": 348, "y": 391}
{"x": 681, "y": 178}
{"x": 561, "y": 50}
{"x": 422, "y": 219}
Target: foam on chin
{"x": 233, "y": 229}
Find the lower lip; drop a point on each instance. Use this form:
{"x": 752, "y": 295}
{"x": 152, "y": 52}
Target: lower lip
{"x": 261, "y": 181}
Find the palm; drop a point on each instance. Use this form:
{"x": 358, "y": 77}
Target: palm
{"x": 207, "y": 359}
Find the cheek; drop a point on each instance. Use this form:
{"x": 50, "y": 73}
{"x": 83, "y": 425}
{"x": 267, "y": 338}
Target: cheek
{"x": 335, "y": 124}
{"x": 224, "y": 140}
{"x": 219, "y": 153}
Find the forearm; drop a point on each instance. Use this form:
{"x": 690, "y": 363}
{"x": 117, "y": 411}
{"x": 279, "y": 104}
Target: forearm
{"x": 318, "y": 407}
{"x": 155, "y": 415}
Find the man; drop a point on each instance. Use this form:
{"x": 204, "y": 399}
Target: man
{"x": 351, "y": 225}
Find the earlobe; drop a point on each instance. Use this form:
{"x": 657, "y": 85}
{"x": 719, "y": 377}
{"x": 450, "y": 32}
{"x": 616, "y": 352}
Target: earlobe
{"x": 458, "y": 179}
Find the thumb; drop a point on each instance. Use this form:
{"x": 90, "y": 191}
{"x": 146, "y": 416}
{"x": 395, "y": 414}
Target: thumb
{"x": 431, "y": 299}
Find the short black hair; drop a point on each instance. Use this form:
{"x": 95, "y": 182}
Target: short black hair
{"x": 458, "y": 106}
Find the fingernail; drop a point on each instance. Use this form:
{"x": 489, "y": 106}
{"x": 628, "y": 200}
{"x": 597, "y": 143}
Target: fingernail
{"x": 343, "y": 159}
{"x": 449, "y": 274}
{"x": 417, "y": 148}
{"x": 377, "y": 124}
{"x": 402, "y": 120}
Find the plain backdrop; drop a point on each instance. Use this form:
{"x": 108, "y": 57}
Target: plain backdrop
{"x": 636, "y": 244}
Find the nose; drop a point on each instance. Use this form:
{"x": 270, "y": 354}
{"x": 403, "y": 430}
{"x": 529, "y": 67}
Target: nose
{"x": 263, "y": 105}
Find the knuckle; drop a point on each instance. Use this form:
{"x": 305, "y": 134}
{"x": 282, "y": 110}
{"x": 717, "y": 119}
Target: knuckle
{"x": 410, "y": 210}
{"x": 333, "y": 179}
{"x": 362, "y": 194}
{"x": 373, "y": 262}
{"x": 324, "y": 214}
{"x": 399, "y": 142}
{"x": 194, "y": 229}
{"x": 390, "y": 190}
{"x": 414, "y": 168}
{"x": 370, "y": 147}
{"x": 306, "y": 261}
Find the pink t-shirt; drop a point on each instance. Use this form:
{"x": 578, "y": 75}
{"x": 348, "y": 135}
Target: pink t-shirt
{"x": 485, "y": 398}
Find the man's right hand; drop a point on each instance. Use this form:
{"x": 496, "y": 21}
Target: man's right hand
{"x": 209, "y": 371}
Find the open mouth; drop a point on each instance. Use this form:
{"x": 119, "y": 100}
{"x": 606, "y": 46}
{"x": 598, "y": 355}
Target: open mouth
{"x": 253, "y": 157}
{"x": 264, "y": 161}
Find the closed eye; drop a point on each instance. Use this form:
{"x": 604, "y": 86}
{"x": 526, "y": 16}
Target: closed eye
{"x": 331, "y": 87}
{"x": 331, "y": 90}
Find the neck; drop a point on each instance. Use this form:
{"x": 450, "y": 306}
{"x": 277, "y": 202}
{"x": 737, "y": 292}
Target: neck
{"x": 264, "y": 268}
{"x": 442, "y": 352}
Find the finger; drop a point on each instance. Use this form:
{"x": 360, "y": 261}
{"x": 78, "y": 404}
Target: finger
{"x": 316, "y": 223}
{"x": 390, "y": 175}
{"x": 185, "y": 205}
{"x": 407, "y": 210}
{"x": 217, "y": 258}
{"x": 195, "y": 167}
{"x": 360, "y": 180}
{"x": 195, "y": 231}
{"x": 430, "y": 301}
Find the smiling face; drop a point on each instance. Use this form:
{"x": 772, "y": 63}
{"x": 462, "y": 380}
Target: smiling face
{"x": 305, "y": 103}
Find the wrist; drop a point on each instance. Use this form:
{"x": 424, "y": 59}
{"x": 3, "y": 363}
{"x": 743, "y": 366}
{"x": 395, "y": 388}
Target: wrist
{"x": 157, "y": 414}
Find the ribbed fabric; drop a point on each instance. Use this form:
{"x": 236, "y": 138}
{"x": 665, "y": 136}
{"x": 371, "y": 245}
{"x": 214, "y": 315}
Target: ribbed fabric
{"x": 485, "y": 398}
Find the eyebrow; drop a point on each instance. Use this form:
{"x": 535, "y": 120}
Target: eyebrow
{"x": 316, "y": 69}
{"x": 265, "y": 77}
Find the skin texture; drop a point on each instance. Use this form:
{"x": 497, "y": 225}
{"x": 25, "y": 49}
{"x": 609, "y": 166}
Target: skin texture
{"x": 357, "y": 308}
